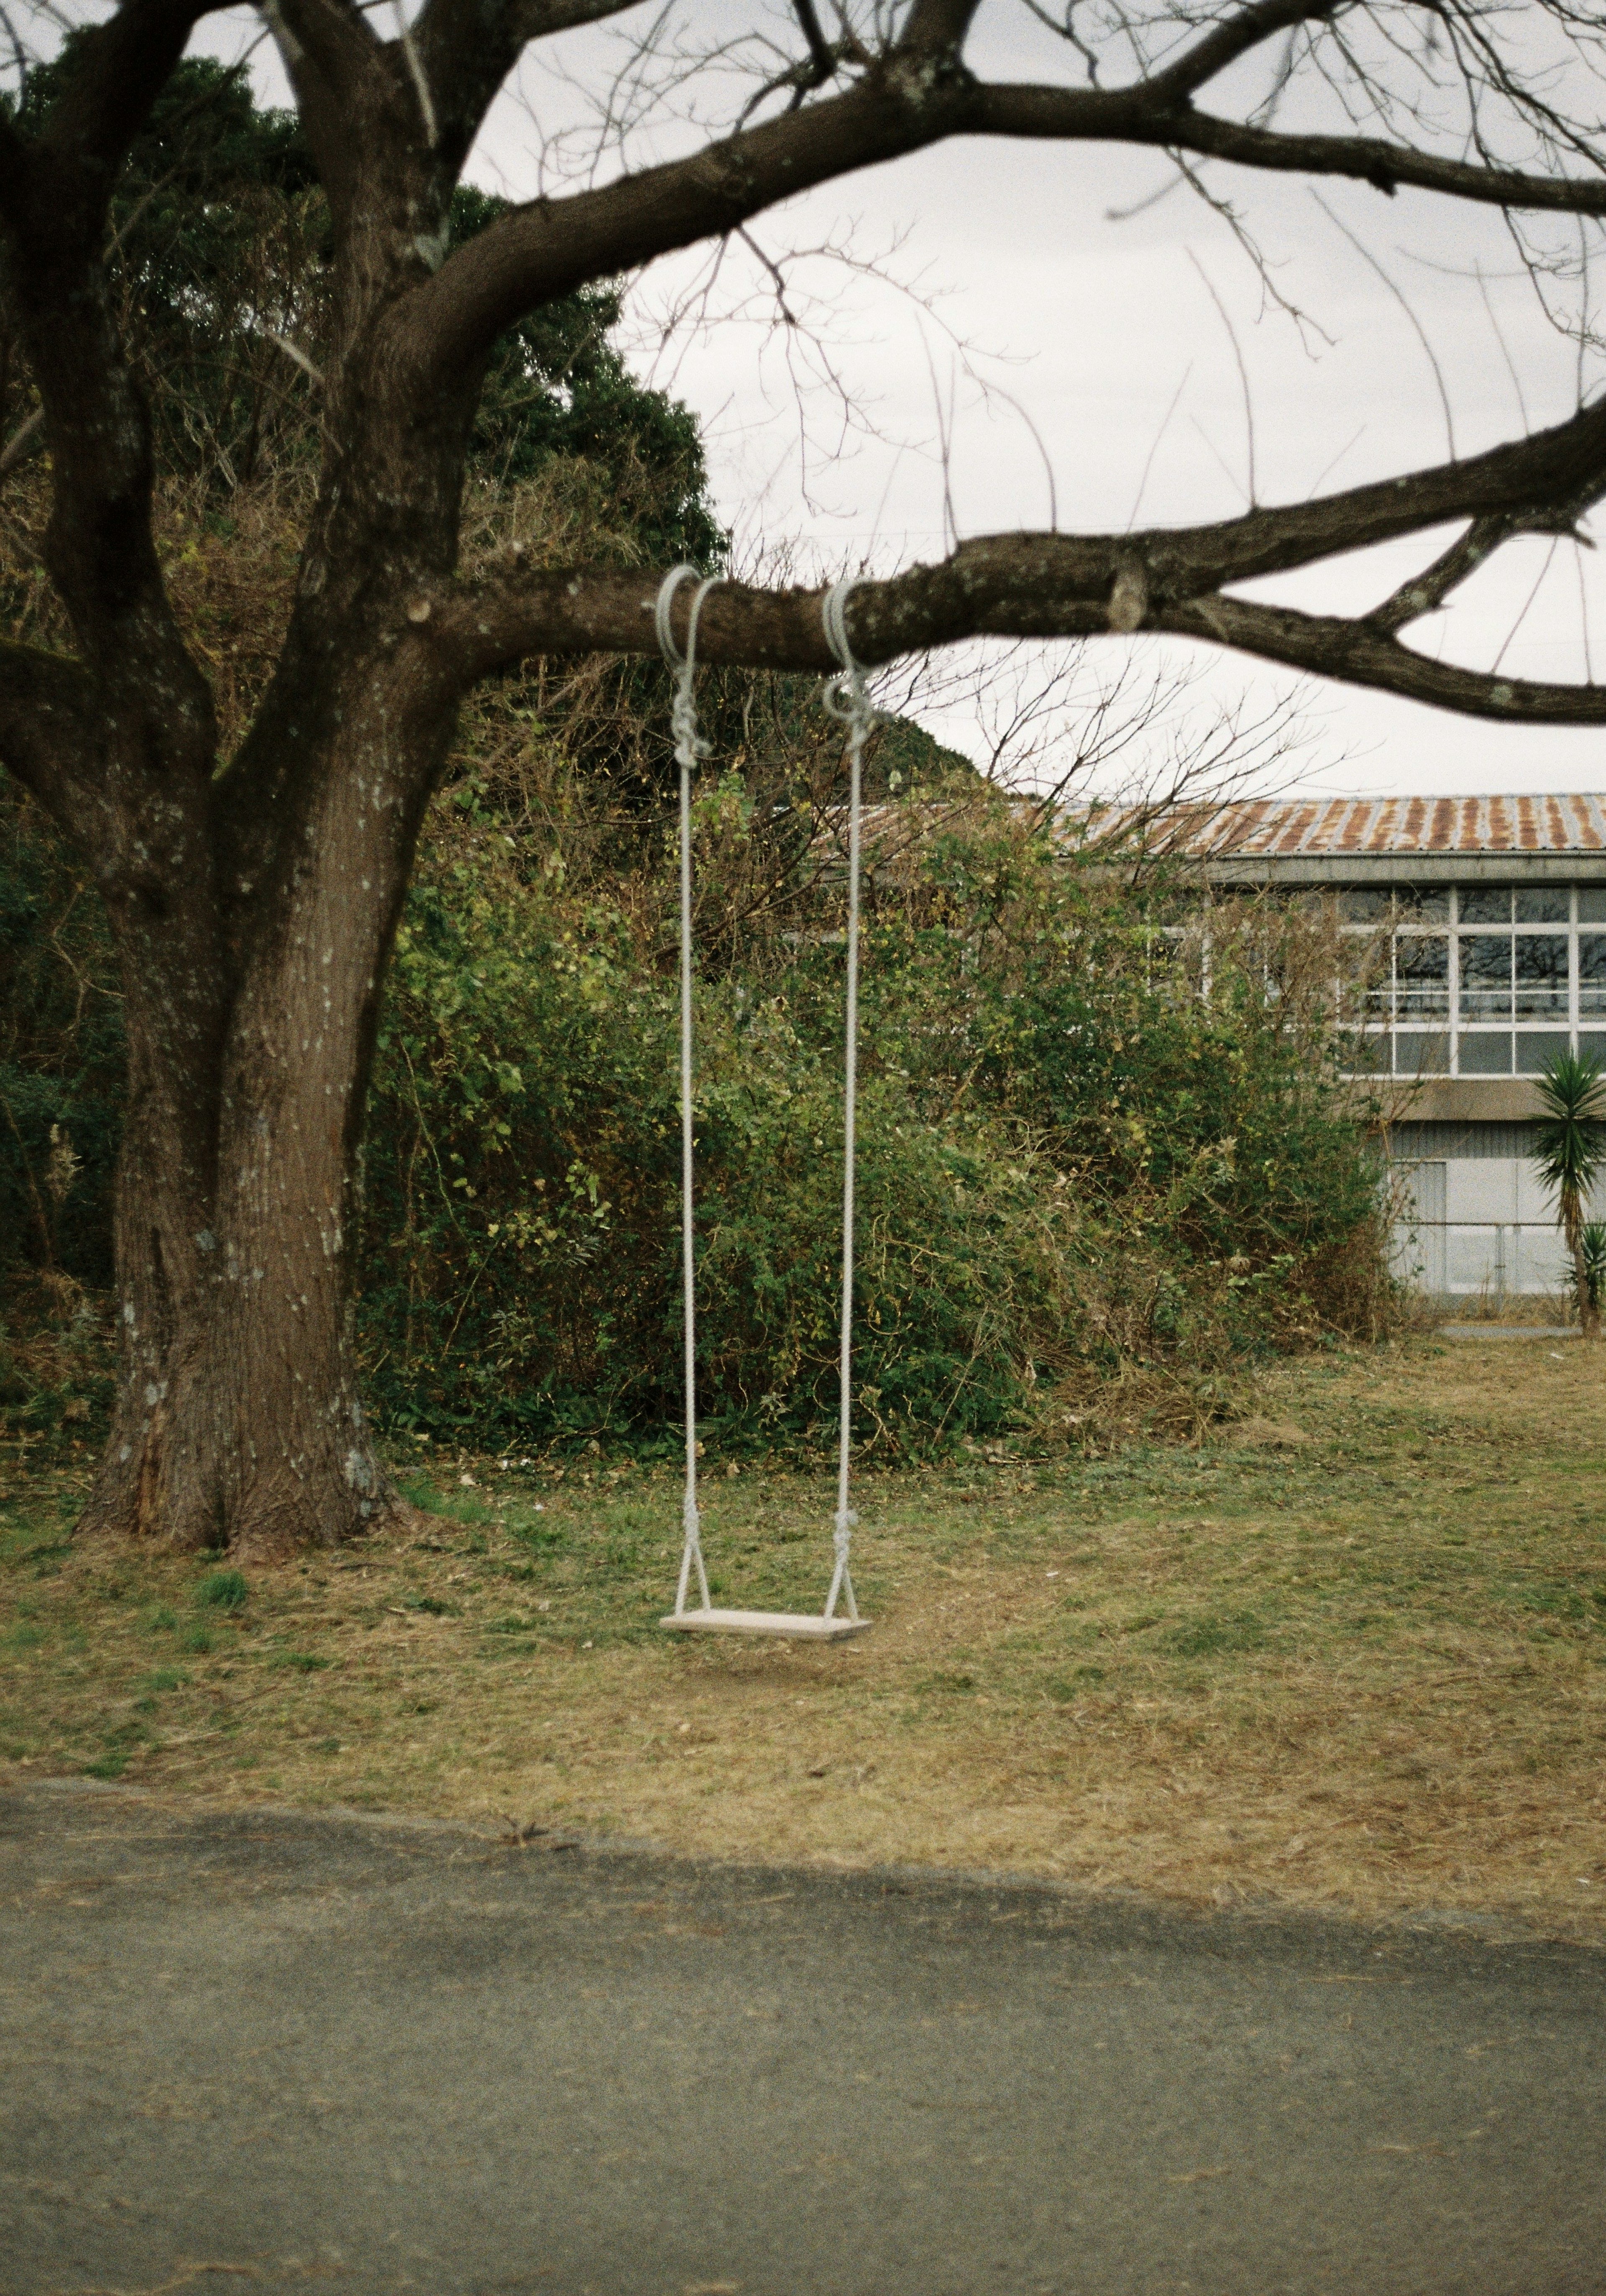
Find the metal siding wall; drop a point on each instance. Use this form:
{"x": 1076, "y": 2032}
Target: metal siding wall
{"x": 1413, "y": 1143}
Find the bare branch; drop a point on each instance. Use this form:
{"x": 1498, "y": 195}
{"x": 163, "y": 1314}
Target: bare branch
{"x": 1073, "y": 114}
{"x": 1227, "y": 42}
{"x": 1359, "y": 653}
{"x": 292, "y": 351}
{"x": 465, "y": 50}
{"x": 55, "y": 189}
{"x": 1042, "y": 586}
{"x": 538, "y": 252}
{"x": 1426, "y": 591}
{"x": 1008, "y": 586}
{"x": 920, "y": 93}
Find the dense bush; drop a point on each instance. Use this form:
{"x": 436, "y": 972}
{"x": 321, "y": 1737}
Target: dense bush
{"x": 1073, "y": 1166}
{"x": 1085, "y": 1187}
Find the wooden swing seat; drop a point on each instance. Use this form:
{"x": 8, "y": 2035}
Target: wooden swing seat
{"x": 800, "y": 1627}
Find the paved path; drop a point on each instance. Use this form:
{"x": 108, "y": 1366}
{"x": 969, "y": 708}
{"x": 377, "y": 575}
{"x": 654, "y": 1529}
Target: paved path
{"x": 271, "y": 2052}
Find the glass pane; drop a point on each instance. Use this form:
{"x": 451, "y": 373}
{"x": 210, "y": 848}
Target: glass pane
{"x": 1592, "y": 1045}
{"x": 1422, "y": 966}
{"x": 1538, "y": 1047}
{"x": 1486, "y": 1055}
{"x": 1366, "y": 904}
{"x": 1420, "y": 1054}
{"x": 1542, "y": 975}
{"x": 1544, "y": 905}
{"x": 1486, "y": 976}
{"x": 1486, "y": 905}
{"x": 1366, "y": 1056}
{"x": 1422, "y": 904}
{"x": 1592, "y": 904}
{"x": 1592, "y": 973}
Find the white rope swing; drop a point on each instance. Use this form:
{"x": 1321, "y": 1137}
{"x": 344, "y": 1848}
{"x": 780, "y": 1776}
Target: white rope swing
{"x": 847, "y": 701}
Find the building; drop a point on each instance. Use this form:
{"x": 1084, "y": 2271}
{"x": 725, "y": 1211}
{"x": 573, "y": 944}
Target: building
{"x": 1495, "y": 914}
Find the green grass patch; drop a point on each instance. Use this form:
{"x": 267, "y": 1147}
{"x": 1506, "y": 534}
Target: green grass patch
{"x": 222, "y": 1590}
{"x": 1208, "y": 1637}
{"x": 452, "y": 1506}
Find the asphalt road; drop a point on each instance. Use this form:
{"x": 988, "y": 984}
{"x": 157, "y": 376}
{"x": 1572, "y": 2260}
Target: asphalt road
{"x": 276, "y": 2051}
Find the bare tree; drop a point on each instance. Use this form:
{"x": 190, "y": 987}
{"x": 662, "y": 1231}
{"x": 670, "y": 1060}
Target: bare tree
{"x": 253, "y": 898}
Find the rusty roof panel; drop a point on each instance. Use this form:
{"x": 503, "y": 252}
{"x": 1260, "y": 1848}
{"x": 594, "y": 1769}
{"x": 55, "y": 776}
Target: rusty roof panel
{"x": 1253, "y": 828}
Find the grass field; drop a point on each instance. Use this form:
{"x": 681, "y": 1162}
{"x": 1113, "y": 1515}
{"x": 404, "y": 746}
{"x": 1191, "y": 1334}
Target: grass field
{"x": 1353, "y": 1654}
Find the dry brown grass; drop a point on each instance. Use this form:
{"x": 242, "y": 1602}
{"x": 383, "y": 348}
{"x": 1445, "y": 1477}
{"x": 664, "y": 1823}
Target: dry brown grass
{"x": 1353, "y": 1656}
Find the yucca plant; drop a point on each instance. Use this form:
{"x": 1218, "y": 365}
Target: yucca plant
{"x": 1569, "y": 1155}
{"x": 1594, "y": 1266}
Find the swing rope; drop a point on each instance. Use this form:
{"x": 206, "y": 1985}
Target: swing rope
{"x": 690, "y": 749}
{"x": 846, "y": 700}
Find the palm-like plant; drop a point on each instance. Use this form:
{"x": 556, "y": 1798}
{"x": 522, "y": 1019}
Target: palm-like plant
{"x": 1569, "y": 1155}
{"x": 1594, "y": 1264}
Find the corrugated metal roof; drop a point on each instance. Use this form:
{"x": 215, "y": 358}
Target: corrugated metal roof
{"x": 1331, "y": 828}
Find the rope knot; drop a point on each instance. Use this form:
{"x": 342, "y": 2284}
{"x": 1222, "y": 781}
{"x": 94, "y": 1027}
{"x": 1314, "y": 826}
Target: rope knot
{"x": 691, "y": 747}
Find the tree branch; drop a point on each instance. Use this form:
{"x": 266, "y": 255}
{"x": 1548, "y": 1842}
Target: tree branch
{"x": 532, "y": 255}
{"x": 50, "y": 730}
{"x": 467, "y": 49}
{"x": 119, "y": 70}
{"x": 55, "y": 189}
{"x": 919, "y": 93}
{"x": 1426, "y": 591}
{"x": 1042, "y": 585}
{"x": 1225, "y": 45}
{"x": 333, "y": 60}
{"x": 25, "y": 440}
{"x": 1001, "y": 587}
{"x": 1056, "y": 114}
{"x": 1359, "y": 653}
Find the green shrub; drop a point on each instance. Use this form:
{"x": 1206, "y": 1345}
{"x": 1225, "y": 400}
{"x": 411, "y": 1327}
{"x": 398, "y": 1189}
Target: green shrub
{"x": 1089, "y": 1195}
{"x": 1074, "y": 1169}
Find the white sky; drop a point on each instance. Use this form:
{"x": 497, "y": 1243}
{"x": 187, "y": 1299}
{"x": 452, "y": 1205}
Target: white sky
{"x": 1113, "y": 370}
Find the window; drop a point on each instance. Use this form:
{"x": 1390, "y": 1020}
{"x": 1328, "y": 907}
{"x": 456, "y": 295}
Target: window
{"x": 1542, "y": 905}
{"x": 1419, "y": 1056}
{"x": 1538, "y": 1047}
{"x": 1421, "y": 969}
{"x": 1486, "y": 905}
{"x": 1486, "y": 1053}
{"x": 1591, "y": 974}
{"x": 1540, "y": 969}
{"x": 1486, "y": 976}
{"x": 1477, "y": 980}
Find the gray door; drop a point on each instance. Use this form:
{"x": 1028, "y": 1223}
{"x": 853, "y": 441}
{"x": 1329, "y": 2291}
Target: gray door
{"x": 1417, "y": 1204}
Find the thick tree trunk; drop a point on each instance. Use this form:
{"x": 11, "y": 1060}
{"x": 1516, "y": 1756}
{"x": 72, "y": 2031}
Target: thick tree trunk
{"x": 238, "y": 1423}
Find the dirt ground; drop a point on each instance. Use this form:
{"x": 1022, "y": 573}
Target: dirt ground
{"x": 1351, "y": 1655}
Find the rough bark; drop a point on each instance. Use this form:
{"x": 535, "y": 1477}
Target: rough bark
{"x": 239, "y": 1421}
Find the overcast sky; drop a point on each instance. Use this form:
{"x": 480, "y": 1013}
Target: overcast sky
{"x": 1098, "y": 384}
